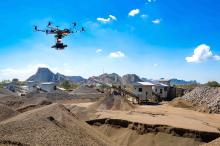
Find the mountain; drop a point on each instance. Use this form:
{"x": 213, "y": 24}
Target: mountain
{"x": 182, "y": 82}
{"x": 106, "y": 78}
{"x": 115, "y": 79}
{"x": 45, "y": 75}
{"x": 130, "y": 78}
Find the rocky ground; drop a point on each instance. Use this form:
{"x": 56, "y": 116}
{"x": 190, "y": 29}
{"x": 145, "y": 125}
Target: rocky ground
{"x": 60, "y": 118}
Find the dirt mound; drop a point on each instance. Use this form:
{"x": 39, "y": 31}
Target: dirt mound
{"x": 6, "y": 112}
{"x": 49, "y": 125}
{"x": 204, "y": 99}
{"x": 85, "y": 90}
{"x": 113, "y": 103}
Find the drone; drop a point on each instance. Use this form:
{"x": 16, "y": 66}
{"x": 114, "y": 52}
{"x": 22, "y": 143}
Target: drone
{"x": 60, "y": 33}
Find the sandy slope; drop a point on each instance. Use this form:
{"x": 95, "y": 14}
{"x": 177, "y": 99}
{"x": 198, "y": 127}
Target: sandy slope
{"x": 50, "y": 125}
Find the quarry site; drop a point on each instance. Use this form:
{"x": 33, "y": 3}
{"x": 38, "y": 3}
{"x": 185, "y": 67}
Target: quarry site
{"x": 107, "y": 110}
{"x": 110, "y": 73}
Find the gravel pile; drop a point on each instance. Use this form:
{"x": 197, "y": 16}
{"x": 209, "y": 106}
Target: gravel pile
{"x": 6, "y": 112}
{"x": 85, "y": 90}
{"x": 49, "y": 125}
{"x": 204, "y": 99}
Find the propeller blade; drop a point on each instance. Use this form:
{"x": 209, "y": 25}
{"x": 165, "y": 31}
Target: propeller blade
{"x": 49, "y": 24}
{"x": 35, "y": 28}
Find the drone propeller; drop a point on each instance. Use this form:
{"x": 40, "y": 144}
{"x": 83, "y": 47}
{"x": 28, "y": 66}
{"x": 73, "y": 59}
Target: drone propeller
{"x": 47, "y": 31}
{"x": 49, "y": 24}
{"x": 35, "y": 28}
{"x": 83, "y": 29}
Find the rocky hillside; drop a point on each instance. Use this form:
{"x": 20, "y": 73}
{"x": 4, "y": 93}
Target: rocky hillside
{"x": 106, "y": 78}
{"x": 45, "y": 75}
{"x": 130, "y": 78}
{"x": 115, "y": 79}
{"x": 204, "y": 99}
{"x": 182, "y": 82}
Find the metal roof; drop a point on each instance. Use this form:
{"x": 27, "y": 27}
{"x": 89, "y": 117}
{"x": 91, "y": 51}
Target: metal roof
{"x": 144, "y": 83}
{"x": 47, "y": 83}
{"x": 161, "y": 84}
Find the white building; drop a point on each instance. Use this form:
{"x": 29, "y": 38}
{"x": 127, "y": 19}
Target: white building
{"x": 48, "y": 86}
{"x": 31, "y": 85}
{"x": 143, "y": 90}
{"x": 161, "y": 90}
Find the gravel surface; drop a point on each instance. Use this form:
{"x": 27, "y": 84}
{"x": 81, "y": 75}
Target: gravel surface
{"x": 49, "y": 125}
{"x": 6, "y": 112}
{"x": 204, "y": 99}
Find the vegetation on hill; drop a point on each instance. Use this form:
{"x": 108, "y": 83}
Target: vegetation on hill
{"x": 68, "y": 85}
{"x": 213, "y": 84}
{"x": 3, "y": 83}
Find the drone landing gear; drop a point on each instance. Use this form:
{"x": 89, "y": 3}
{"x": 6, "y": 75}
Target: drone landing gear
{"x": 59, "y": 46}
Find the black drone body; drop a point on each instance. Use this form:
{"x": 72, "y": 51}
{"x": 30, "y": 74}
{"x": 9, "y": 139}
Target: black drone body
{"x": 60, "y": 33}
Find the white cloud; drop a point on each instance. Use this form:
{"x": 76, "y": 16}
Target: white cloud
{"x": 107, "y": 20}
{"x": 20, "y": 73}
{"x": 156, "y": 21}
{"x": 155, "y": 65}
{"x": 144, "y": 16}
{"x": 150, "y": 1}
{"x": 103, "y": 20}
{"x": 216, "y": 57}
{"x": 202, "y": 53}
{"x": 134, "y": 12}
{"x": 98, "y": 50}
{"x": 112, "y": 17}
{"x": 117, "y": 54}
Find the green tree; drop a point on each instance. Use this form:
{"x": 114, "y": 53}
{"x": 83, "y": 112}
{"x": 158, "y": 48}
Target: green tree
{"x": 3, "y": 83}
{"x": 66, "y": 85}
{"x": 213, "y": 84}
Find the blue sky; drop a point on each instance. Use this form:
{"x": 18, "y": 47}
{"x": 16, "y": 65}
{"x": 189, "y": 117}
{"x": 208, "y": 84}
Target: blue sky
{"x": 152, "y": 38}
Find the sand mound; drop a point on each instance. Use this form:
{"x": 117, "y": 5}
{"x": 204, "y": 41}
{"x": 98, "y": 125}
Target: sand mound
{"x": 204, "y": 99}
{"x": 113, "y": 103}
{"x": 85, "y": 90}
{"x": 180, "y": 102}
{"x": 49, "y": 125}
{"x": 82, "y": 113}
{"x": 6, "y": 112}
